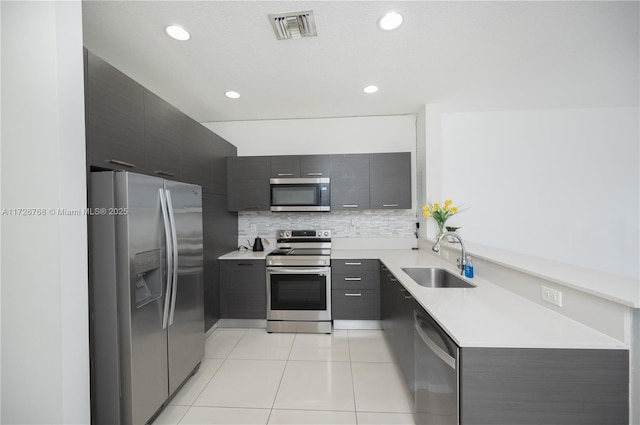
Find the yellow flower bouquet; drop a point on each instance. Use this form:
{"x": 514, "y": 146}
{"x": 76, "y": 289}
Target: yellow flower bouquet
{"x": 440, "y": 213}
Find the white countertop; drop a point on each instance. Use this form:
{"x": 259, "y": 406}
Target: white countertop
{"x": 487, "y": 315}
{"x": 620, "y": 289}
{"x": 245, "y": 255}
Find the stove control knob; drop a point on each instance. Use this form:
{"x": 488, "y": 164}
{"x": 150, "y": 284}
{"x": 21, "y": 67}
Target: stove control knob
{"x": 326, "y": 233}
{"x": 318, "y": 233}
{"x": 287, "y": 234}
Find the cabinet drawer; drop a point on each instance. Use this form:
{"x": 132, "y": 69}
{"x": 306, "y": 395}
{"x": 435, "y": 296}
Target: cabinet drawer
{"x": 361, "y": 304}
{"x": 357, "y": 266}
{"x": 354, "y": 281}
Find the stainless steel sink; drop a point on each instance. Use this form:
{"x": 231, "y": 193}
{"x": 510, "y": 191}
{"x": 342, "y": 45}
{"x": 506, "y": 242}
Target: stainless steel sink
{"x": 432, "y": 277}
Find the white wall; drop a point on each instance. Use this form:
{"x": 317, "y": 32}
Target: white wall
{"x": 320, "y": 136}
{"x": 45, "y": 347}
{"x": 558, "y": 184}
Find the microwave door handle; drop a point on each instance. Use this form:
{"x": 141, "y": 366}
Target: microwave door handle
{"x": 174, "y": 238}
{"x": 169, "y": 254}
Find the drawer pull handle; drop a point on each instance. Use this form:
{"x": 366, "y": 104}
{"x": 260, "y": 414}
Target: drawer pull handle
{"x": 352, "y": 264}
{"x": 118, "y": 162}
{"x": 164, "y": 173}
{"x": 392, "y": 279}
{"x": 353, "y": 279}
{"x": 245, "y": 264}
{"x": 251, "y": 208}
{"x": 285, "y": 174}
{"x": 389, "y": 205}
{"x": 314, "y": 174}
{"x": 352, "y": 295}
{"x": 350, "y": 206}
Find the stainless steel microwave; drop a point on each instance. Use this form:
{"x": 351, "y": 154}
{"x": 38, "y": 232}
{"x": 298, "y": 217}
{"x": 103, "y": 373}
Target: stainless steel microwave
{"x": 301, "y": 194}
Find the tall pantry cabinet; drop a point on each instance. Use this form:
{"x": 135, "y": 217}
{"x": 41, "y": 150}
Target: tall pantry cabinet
{"x": 130, "y": 128}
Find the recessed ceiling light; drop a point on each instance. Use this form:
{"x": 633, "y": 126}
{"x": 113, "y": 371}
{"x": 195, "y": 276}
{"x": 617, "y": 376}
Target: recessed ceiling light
{"x": 371, "y": 89}
{"x": 390, "y": 21}
{"x": 232, "y": 94}
{"x": 177, "y": 32}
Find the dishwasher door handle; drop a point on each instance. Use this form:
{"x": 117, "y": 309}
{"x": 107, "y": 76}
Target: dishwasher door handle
{"x": 443, "y": 355}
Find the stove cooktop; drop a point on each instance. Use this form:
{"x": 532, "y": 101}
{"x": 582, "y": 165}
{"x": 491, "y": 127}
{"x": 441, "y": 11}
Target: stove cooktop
{"x": 301, "y": 251}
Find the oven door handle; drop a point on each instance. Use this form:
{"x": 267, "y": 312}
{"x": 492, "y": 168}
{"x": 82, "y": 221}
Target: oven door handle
{"x": 298, "y": 270}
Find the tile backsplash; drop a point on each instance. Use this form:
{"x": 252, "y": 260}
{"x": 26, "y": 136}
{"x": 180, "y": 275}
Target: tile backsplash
{"x": 343, "y": 224}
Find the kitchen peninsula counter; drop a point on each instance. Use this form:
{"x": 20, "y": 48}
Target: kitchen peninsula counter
{"x": 487, "y": 315}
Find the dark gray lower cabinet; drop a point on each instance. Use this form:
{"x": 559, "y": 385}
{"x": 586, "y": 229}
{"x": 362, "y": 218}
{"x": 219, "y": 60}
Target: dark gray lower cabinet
{"x": 543, "y": 386}
{"x": 243, "y": 292}
{"x": 397, "y": 307}
{"x": 220, "y": 235}
{"x": 506, "y": 386}
{"x": 355, "y": 288}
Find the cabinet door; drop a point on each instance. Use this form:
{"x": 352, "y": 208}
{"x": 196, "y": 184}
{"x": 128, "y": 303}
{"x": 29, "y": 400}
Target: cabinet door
{"x": 350, "y": 182}
{"x": 244, "y": 289}
{"x": 220, "y": 231}
{"x": 197, "y": 154}
{"x": 390, "y": 180}
{"x": 162, "y": 137}
{"x": 114, "y": 117}
{"x": 386, "y": 300}
{"x": 248, "y": 183}
{"x": 221, "y": 151}
{"x": 285, "y": 166}
{"x": 315, "y": 166}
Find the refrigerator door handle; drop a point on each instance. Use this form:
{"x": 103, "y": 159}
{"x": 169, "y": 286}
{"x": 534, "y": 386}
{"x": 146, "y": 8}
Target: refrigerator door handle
{"x": 174, "y": 238}
{"x": 169, "y": 252}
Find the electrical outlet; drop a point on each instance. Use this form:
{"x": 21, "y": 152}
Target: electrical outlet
{"x": 552, "y": 296}
{"x": 253, "y": 227}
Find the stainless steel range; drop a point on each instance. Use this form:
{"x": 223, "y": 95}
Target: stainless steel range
{"x": 299, "y": 282}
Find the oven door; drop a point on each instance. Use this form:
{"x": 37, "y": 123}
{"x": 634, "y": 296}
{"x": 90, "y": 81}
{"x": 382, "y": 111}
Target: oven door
{"x": 298, "y": 293}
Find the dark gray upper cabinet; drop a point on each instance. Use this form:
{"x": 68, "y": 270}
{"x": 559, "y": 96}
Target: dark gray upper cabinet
{"x": 248, "y": 183}
{"x": 315, "y": 166}
{"x": 195, "y": 160}
{"x": 204, "y": 157}
{"x": 285, "y": 166}
{"x": 221, "y": 151}
{"x": 162, "y": 137}
{"x": 114, "y": 117}
{"x": 390, "y": 180}
{"x": 350, "y": 182}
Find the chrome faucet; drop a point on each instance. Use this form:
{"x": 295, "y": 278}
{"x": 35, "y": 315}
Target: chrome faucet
{"x": 461, "y": 261}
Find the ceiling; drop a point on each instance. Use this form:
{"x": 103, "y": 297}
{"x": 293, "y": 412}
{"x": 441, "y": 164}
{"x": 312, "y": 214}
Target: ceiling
{"x": 495, "y": 55}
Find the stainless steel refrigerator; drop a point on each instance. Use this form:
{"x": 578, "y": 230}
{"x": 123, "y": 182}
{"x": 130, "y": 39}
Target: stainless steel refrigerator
{"x": 146, "y": 290}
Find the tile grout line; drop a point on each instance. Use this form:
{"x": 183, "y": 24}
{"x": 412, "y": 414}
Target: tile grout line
{"x": 353, "y": 381}
{"x": 281, "y": 378}
{"x": 214, "y": 373}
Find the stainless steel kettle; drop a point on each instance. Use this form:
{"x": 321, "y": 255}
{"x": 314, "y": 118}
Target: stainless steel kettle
{"x": 257, "y": 244}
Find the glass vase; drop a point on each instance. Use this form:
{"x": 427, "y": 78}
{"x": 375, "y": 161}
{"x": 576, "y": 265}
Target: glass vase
{"x": 441, "y": 228}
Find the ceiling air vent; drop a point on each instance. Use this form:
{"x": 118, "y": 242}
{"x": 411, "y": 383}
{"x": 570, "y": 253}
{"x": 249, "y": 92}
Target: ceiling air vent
{"x": 294, "y": 25}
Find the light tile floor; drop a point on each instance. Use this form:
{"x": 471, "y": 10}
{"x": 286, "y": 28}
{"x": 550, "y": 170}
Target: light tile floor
{"x": 249, "y": 376}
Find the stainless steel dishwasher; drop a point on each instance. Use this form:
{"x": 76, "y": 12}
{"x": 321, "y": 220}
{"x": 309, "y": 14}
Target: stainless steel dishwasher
{"x": 436, "y": 373}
